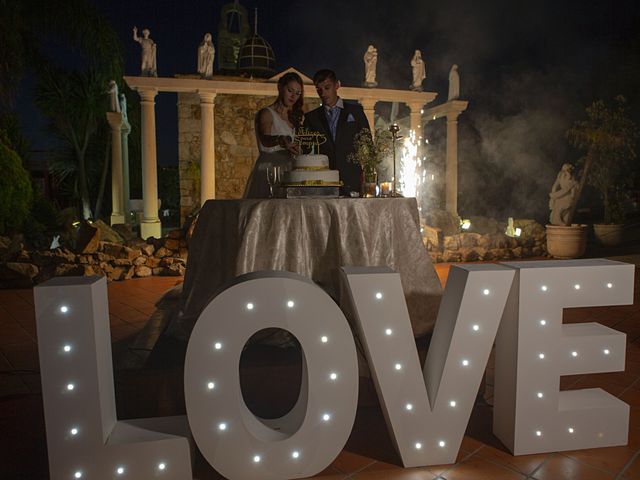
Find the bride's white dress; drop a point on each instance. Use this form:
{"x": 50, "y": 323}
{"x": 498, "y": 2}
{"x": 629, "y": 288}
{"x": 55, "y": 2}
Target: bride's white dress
{"x": 257, "y": 186}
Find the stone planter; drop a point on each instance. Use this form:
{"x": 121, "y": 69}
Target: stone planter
{"x": 566, "y": 242}
{"x": 608, "y": 235}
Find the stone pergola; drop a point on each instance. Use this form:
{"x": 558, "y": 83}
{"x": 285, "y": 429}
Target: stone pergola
{"x": 149, "y": 87}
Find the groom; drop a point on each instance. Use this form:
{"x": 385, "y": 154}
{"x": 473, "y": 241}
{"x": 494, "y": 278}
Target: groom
{"x": 340, "y": 122}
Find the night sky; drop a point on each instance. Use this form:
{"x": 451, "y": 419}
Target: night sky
{"x": 528, "y": 68}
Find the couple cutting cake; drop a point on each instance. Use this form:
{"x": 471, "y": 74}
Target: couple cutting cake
{"x": 275, "y": 125}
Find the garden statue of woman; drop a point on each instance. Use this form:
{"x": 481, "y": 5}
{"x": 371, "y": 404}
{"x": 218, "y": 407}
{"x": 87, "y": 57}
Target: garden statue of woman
{"x": 562, "y": 194}
{"x": 114, "y": 103}
{"x": 454, "y": 83}
{"x": 123, "y": 107}
{"x": 148, "y": 66}
{"x": 206, "y": 54}
{"x": 370, "y": 63}
{"x": 418, "y": 71}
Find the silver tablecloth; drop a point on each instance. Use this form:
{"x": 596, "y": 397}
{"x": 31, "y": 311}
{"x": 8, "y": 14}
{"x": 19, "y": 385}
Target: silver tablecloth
{"x": 312, "y": 237}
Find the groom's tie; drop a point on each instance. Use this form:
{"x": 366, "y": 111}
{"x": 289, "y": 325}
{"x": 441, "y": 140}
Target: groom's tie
{"x": 332, "y": 116}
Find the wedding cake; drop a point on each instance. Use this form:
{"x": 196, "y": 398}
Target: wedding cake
{"x": 312, "y": 170}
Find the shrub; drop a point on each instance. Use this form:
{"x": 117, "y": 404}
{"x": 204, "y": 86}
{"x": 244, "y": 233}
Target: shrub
{"x": 16, "y": 192}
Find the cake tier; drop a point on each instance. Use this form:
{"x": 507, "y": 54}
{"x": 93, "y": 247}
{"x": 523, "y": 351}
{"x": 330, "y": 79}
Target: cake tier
{"x": 312, "y": 177}
{"x": 312, "y": 162}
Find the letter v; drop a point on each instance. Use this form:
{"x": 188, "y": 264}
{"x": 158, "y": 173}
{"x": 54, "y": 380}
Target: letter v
{"x": 427, "y": 415}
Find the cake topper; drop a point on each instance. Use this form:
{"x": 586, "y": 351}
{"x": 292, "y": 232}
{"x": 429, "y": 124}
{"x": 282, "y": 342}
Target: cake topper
{"x": 310, "y": 138}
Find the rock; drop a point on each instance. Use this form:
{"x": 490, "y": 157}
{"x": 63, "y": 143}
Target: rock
{"x": 183, "y": 253}
{"x": 129, "y": 273}
{"x": 501, "y": 254}
{"x": 175, "y": 234}
{"x": 130, "y": 253}
{"x": 103, "y": 257}
{"x": 485, "y": 241}
{"x": 23, "y": 256}
{"x": 172, "y": 244}
{"x": 469, "y": 240}
{"x": 537, "y": 251}
{"x": 451, "y": 242}
{"x": 517, "y": 252}
{"x": 69, "y": 270}
{"x": 111, "y": 249}
{"x": 17, "y": 275}
{"x": 153, "y": 262}
{"x": 174, "y": 270}
{"x": 93, "y": 270}
{"x": 142, "y": 271}
{"x": 124, "y": 230}
{"x": 148, "y": 249}
{"x": 436, "y": 257}
{"x": 485, "y": 225}
{"x": 228, "y": 138}
{"x": 117, "y": 273}
{"x": 87, "y": 238}
{"x": 62, "y": 255}
{"x": 432, "y": 237}
{"x": 167, "y": 261}
{"x": 157, "y": 270}
{"x": 122, "y": 262}
{"x": 135, "y": 243}
{"x": 451, "y": 256}
{"x": 107, "y": 234}
{"x": 162, "y": 252}
{"x": 448, "y": 223}
{"x": 141, "y": 260}
{"x": 469, "y": 255}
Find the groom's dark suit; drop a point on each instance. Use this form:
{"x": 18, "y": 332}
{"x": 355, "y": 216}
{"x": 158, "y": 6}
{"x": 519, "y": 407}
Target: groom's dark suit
{"x": 351, "y": 120}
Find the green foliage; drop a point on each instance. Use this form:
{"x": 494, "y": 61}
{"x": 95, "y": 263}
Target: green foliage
{"x": 15, "y": 188}
{"x": 169, "y": 187}
{"x": 43, "y": 222}
{"x": 369, "y": 153}
{"x": 608, "y": 138}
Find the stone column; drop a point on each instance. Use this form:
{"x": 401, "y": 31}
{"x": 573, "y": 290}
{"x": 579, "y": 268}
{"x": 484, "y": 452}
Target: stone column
{"x": 451, "y": 181}
{"x": 126, "y": 191}
{"x": 207, "y": 147}
{"x": 115, "y": 122}
{"x": 150, "y": 225}
{"x": 416, "y": 118}
{"x": 368, "y": 105}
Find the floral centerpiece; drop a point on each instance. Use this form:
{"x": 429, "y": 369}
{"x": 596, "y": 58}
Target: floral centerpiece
{"x": 369, "y": 152}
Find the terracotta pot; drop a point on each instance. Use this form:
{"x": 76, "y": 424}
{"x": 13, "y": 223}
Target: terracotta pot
{"x": 608, "y": 235}
{"x": 566, "y": 242}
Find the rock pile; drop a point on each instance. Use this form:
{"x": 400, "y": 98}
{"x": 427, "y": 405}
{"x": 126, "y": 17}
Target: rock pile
{"x": 490, "y": 245}
{"x": 20, "y": 268}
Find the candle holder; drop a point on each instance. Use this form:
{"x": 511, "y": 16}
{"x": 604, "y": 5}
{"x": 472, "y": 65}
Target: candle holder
{"x": 394, "y": 129}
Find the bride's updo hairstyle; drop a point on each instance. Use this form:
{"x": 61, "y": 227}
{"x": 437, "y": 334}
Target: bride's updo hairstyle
{"x": 295, "y": 115}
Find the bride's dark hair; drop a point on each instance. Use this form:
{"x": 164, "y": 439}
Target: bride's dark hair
{"x": 295, "y": 114}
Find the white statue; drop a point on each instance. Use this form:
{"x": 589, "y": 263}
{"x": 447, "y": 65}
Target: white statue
{"x": 418, "y": 70}
{"x": 206, "y": 54}
{"x": 148, "y": 66}
{"x": 454, "y": 83}
{"x": 114, "y": 104}
{"x": 370, "y": 62}
{"x": 562, "y": 193}
{"x": 123, "y": 107}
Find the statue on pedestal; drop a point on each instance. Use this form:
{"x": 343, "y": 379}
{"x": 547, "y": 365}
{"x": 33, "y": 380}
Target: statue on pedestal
{"x": 370, "y": 63}
{"x": 454, "y": 83}
{"x": 418, "y": 71}
{"x": 562, "y": 194}
{"x": 148, "y": 66}
{"x": 206, "y": 54}
{"x": 114, "y": 104}
{"x": 123, "y": 108}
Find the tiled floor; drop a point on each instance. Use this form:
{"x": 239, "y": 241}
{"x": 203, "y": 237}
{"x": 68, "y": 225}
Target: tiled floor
{"x": 368, "y": 454}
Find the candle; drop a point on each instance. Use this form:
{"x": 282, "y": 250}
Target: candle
{"x": 385, "y": 188}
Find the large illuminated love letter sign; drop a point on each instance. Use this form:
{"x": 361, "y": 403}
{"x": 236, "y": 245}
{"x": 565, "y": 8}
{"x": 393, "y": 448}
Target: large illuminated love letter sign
{"x": 238, "y": 444}
{"x": 84, "y": 437}
{"x": 427, "y": 412}
{"x": 534, "y": 348}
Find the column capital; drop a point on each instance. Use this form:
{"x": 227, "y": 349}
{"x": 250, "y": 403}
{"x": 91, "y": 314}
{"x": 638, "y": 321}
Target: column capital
{"x": 207, "y": 96}
{"x": 368, "y": 103}
{"x": 415, "y": 106}
{"x": 115, "y": 120}
{"x": 147, "y": 94}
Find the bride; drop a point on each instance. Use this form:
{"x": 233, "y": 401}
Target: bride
{"x": 275, "y": 131}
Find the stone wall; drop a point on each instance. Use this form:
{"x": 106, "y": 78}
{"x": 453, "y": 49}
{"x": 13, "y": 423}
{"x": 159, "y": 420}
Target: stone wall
{"x": 235, "y": 144}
